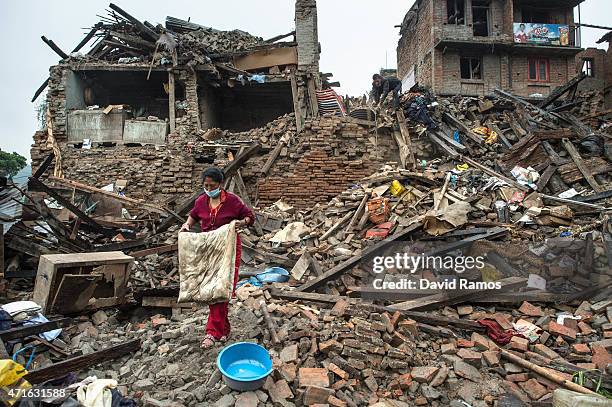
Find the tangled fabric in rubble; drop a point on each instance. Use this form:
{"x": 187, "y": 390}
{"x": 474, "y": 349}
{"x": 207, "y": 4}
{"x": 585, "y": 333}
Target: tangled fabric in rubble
{"x": 206, "y": 265}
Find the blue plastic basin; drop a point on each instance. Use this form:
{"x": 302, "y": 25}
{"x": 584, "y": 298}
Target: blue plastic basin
{"x": 244, "y": 365}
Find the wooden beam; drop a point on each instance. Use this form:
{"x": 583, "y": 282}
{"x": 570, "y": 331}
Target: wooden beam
{"x": 279, "y": 37}
{"x": 546, "y": 175}
{"x": 266, "y": 58}
{"x": 37, "y": 184}
{"x": 297, "y": 109}
{"x": 453, "y": 121}
{"x": 124, "y": 199}
{"x": 54, "y": 47}
{"x": 273, "y": 156}
{"x": 43, "y": 166}
{"x": 139, "y": 25}
{"x": 81, "y": 362}
{"x": 353, "y": 261}
{"x": 561, "y": 90}
{"x": 456, "y": 296}
{"x": 88, "y": 37}
{"x": 155, "y": 250}
{"x": 489, "y": 171}
{"x": 569, "y": 147}
{"x": 171, "y": 101}
{"x": 40, "y": 90}
{"x": 405, "y": 145}
{"x": 23, "y": 331}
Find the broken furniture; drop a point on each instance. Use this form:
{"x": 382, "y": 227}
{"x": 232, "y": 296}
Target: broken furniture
{"x": 69, "y": 283}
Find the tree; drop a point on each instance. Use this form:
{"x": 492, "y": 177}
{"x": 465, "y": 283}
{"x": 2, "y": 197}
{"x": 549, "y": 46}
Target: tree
{"x": 11, "y": 163}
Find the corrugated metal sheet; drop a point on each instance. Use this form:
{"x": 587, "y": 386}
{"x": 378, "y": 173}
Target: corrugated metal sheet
{"x": 10, "y": 211}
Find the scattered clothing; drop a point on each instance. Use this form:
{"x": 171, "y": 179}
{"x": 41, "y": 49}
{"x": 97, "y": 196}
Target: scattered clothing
{"x": 14, "y": 308}
{"x": 97, "y": 393}
{"x": 39, "y": 319}
{"x": 417, "y": 111}
{"x": 269, "y": 275}
{"x": 497, "y": 333}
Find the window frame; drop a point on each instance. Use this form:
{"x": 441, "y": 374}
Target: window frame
{"x": 480, "y": 63}
{"x": 588, "y": 67}
{"x": 464, "y": 16}
{"x": 537, "y": 62}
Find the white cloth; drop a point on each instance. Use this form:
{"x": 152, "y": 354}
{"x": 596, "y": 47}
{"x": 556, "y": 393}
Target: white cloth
{"x": 14, "y": 308}
{"x": 97, "y": 393}
{"x": 207, "y": 265}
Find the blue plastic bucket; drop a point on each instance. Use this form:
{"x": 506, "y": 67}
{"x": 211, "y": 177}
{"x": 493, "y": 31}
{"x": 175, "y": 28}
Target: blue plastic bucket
{"x": 244, "y": 365}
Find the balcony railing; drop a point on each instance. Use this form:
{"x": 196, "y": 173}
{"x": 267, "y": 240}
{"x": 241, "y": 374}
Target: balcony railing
{"x": 560, "y": 35}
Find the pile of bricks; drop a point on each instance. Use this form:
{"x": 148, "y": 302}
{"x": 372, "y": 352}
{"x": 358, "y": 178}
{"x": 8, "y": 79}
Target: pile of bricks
{"x": 348, "y": 356}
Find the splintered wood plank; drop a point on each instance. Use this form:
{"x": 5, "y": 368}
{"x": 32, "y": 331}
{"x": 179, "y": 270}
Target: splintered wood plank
{"x": 548, "y": 172}
{"x": 81, "y": 362}
{"x": 456, "y": 296}
{"x": 353, "y": 261}
{"x": 23, "y": 331}
{"x": 581, "y": 166}
{"x": 405, "y": 146}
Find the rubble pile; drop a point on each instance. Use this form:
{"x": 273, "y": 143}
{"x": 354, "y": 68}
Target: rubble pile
{"x": 211, "y": 41}
{"x": 522, "y": 186}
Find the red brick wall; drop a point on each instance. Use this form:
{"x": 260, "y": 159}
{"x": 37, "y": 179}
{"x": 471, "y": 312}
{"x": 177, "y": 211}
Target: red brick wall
{"x": 599, "y": 69}
{"x": 561, "y": 70}
{"x": 328, "y": 157}
{"x": 415, "y": 44}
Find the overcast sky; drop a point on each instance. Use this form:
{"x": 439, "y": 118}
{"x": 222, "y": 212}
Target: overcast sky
{"x": 357, "y": 38}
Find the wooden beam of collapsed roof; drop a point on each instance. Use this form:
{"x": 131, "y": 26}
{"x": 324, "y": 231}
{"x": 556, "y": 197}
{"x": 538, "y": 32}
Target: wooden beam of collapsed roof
{"x": 355, "y": 260}
{"x": 81, "y": 362}
{"x": 139, "y": 25}
{"x": 80, "y": 45}
{"x": 279, "y": 37}
{"x": 23, "y": 331}
{"x": 54, "y": 47}
{"x": 88, "y": 37}
{"x": 37, "y": 184}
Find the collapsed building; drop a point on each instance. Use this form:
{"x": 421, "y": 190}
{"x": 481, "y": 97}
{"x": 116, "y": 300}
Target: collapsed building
{"x": 141, "y": 87}
{"x": 131, "y": 124}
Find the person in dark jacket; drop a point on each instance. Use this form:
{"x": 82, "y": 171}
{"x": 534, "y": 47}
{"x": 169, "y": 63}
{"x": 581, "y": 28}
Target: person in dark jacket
{"x": 382, "y": 86}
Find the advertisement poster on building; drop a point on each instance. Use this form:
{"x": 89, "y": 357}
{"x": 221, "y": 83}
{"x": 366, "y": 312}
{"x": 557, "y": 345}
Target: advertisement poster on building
{"x": 541, "y": 34}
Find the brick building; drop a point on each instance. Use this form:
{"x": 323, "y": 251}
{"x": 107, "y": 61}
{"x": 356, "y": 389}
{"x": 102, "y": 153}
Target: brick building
{"x": 471, "y": 47}
{"x": 606, "y": 68}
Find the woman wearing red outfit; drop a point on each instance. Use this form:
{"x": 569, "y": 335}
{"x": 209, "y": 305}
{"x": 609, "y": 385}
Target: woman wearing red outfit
{"x": 213, "y": 209}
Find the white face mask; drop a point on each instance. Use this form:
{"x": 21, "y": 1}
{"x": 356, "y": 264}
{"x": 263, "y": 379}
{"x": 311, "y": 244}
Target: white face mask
{"x": 214, "y": 193}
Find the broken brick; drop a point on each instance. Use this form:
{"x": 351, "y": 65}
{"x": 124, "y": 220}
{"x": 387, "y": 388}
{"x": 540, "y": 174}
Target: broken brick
{"x": 561, "y": 330}
{"x": 531, "y": 310}
{"x": 424, "y": 374}
{"x": 533, "y": 388}
{"x": 519, "y": 343}
{"x": 313, "y": 376}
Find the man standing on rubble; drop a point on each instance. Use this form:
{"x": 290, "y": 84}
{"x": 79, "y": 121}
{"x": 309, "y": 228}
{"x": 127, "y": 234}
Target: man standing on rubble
{"x": 382, "y": 86}
{"x": 215, "y": 208}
